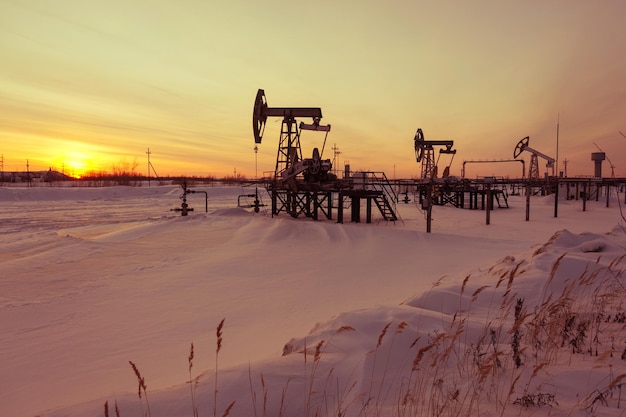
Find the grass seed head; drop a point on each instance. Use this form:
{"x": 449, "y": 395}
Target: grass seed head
{"x": 228, "y": 409}
{"x": 140, "y": 379}
{"x": 218, "y": 333}
{"x": 382, "y": 335}
{"x": 345, "y": 329}
{"x": 191, "y": 357}
{"x": 318, "y": 351}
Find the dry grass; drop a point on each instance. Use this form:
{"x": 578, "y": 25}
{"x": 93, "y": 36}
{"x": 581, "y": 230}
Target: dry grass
{"x": 447, "y": 372}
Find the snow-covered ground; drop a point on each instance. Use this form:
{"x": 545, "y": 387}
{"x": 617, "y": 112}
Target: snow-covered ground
{"x": 394, "y": 321}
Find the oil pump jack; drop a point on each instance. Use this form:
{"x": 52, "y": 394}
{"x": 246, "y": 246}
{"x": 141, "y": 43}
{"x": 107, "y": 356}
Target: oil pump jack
{"x": 424, "y": 153}
{"x": 300, "y": 185}
{"x": 533, "y": 169}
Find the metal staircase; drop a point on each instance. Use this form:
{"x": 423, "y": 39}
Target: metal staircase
{"x": 383, "y": 194}
{"x": 501, "y": 195}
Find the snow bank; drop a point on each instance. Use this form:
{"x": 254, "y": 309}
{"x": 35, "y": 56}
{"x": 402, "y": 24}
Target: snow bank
{"x": 127, "y": 279}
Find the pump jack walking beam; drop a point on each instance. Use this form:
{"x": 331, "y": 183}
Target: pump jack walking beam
{"x": 261, "y": 112}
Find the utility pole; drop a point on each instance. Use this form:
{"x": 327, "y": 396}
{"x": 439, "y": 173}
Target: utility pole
{"x": 148, "y": 166}
{"x": 151, "y": 167}
{"x": 335, "y": 153}
{"x": 556, "y": 177}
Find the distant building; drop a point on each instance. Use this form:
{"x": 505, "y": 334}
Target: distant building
{"x": 35, "y": 176}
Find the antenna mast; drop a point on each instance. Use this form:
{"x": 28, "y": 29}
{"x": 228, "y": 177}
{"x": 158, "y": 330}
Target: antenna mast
{"x": 256, "y": 163}
{"x": 556, "y": 159}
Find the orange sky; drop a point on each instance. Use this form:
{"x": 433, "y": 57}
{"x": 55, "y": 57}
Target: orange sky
{"x": 85, "y": 85}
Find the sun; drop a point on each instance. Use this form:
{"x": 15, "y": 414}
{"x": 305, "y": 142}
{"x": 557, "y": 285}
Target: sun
{"x": 75, "y": 164}
{"x": 76, "y": 169}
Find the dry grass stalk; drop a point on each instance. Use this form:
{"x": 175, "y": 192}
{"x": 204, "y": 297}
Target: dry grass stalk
{"x": 142, "y": 387}
{"x": 438, "y": 282}
{"x": 478, "y": 291}
{"x": 343, "y": 329}
{"x": 140, "y": 379}
{"x": 306, "y": 379}
{"x": 190, "y": 359}
{"x": 464, "y": 284}
{"x": 320, "y": 348}
{"x": 452, "y": 339}
{"x": 382, "y": 335}
{"x": 617, "y": 381}
{"x": 399, "y": 329}
{"x": 283, "y": 397}
{"x": 512, "y": 274}
{"x": 555, "y": 266}
{"x": 218, "y": 333}
{"x": 420, "y": 355}
{"x": 510, "y": 393}
{"x": 194, "y": 408}
{"x": 341, "y": 395}
{"x": 311, "y": 379}
{"x": 218, "y": 347}
{"x": 252, "y": 392}
{"x": 227, "y": 411}
{"x": 318, "y": 351}
{"x": 264, "y": 387}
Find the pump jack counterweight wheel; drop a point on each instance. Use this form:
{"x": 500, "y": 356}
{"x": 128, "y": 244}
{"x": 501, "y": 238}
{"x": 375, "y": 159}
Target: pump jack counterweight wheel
{"x": 521, "y": 145}
{"x": 419, "y": 144}
{"x": 259, "y": 116}
{"x": 315, "y": 165}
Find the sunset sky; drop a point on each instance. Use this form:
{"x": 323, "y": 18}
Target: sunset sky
{"x": 88, "y": 85}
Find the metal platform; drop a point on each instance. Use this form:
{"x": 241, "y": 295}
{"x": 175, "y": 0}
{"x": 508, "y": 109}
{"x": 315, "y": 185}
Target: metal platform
{"x": 361, "y": 190}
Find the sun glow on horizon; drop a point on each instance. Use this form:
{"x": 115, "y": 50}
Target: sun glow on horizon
{"x": 75, "y": 164}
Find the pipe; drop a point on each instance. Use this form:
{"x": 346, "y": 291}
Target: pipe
{"x": 206, "y": 199}
{"x": 243, "y": 195}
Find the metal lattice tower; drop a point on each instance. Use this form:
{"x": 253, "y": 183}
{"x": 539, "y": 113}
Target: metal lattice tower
{"x": 289, "y": 150}
{"x": 533, "y": 168}
{"x": 428, "y": 163}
